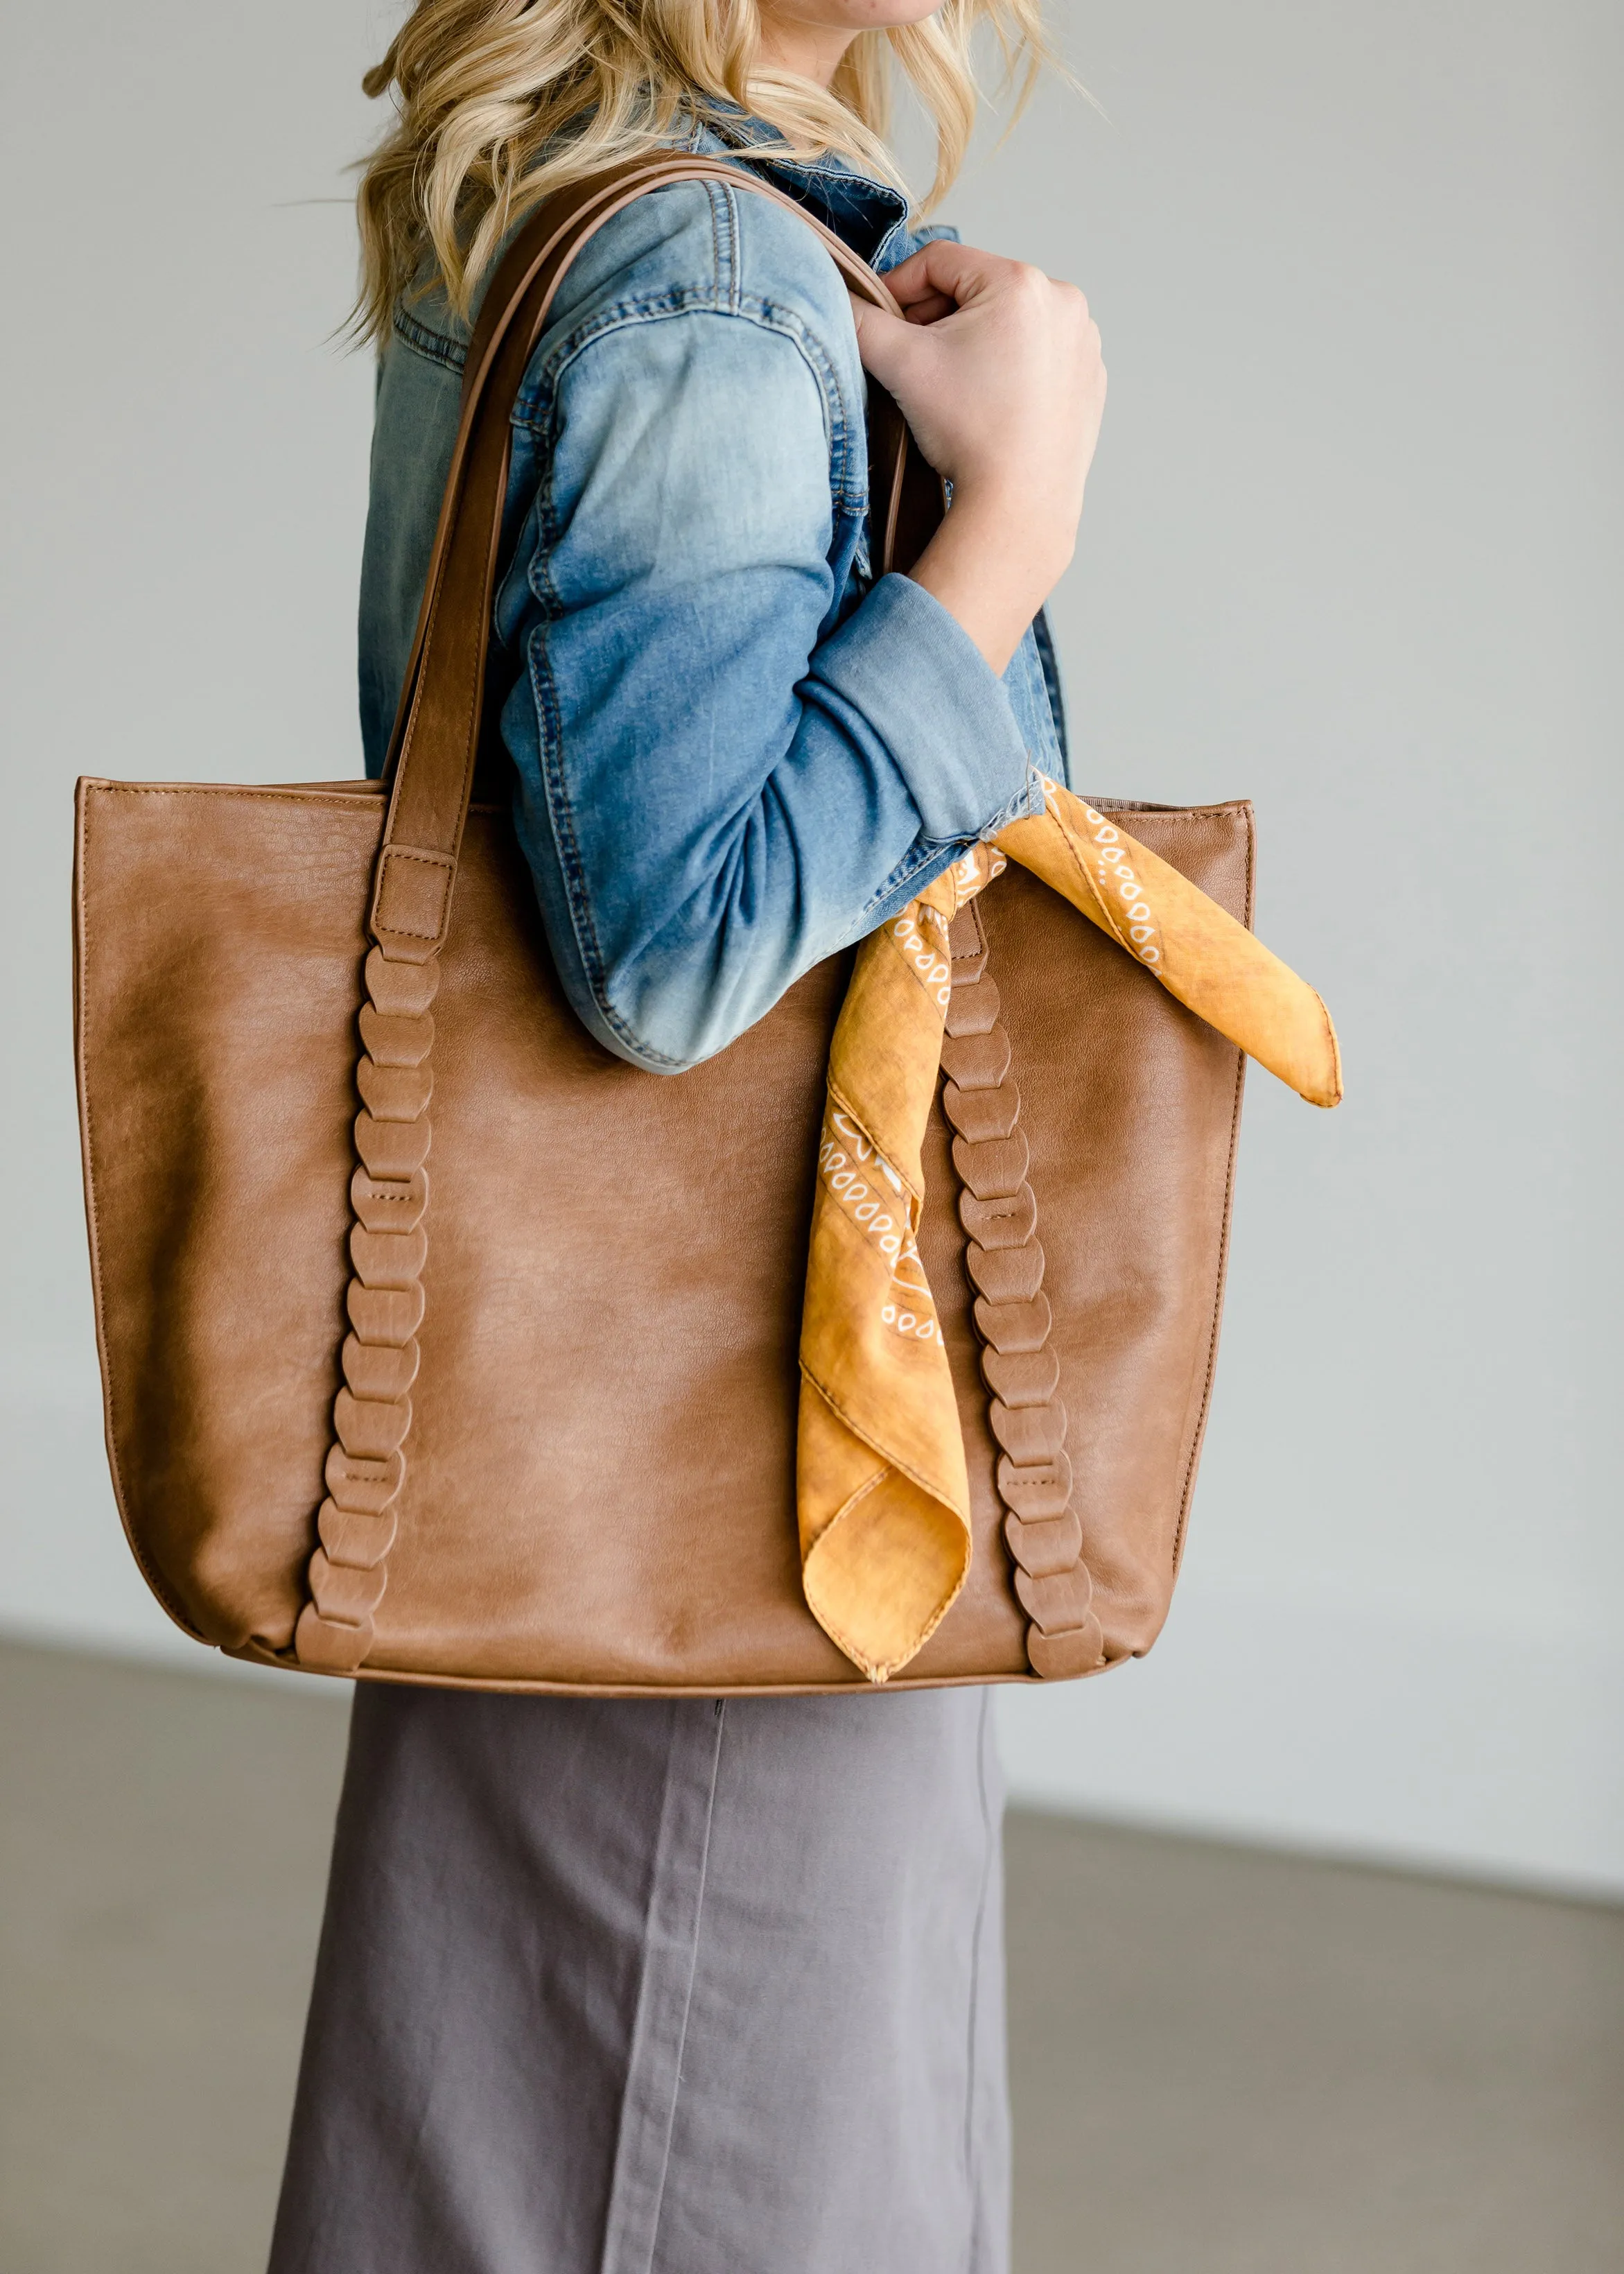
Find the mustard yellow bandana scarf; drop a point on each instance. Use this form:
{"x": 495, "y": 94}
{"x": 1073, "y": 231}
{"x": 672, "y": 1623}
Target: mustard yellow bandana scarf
{"x": 882, "y": 1492}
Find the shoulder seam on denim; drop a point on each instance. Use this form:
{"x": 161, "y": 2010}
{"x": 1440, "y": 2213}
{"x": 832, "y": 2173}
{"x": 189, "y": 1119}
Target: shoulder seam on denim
{"x": 713, "y": 200}
{"x": 735, "y": 246}
{"x": 764, "y": 315}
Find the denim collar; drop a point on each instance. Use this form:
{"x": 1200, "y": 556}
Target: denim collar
{"x": 870, "y": 215}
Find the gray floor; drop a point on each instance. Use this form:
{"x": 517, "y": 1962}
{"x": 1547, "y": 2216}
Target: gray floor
{"x": 1223, "y": 2060}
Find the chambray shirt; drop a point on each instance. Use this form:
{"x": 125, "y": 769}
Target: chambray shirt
{"x": 734, "y": 750}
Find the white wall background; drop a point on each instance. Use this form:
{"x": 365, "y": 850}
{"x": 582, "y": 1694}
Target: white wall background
{"x": 1352, "y": 548}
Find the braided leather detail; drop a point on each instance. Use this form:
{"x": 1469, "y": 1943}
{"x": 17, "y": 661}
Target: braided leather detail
{"x": 1004, "y": 1258}
{"x": 371, "y": 1413}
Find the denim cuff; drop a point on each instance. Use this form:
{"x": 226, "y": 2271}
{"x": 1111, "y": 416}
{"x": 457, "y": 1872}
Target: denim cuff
{"x": 927, "y": 691}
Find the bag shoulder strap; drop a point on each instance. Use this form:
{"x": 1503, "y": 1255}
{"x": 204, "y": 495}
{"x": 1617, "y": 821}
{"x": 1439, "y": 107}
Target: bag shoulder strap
{"x": 436, "y": 737}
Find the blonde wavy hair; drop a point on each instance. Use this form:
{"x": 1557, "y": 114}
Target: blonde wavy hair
{"x": 500, "y": 102}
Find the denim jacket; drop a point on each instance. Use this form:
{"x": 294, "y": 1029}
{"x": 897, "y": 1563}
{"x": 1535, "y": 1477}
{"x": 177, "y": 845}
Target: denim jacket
{"x": 735, "y": 751}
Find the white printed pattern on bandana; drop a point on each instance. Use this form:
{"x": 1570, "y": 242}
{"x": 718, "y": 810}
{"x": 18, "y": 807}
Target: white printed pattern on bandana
{"x": 853, "y": 1172}
{"x": 856, "y": 1174}
{"x": 910, "y": 1310}
{"x": 1120, "y": 891}
{"x": 930, "y": 962}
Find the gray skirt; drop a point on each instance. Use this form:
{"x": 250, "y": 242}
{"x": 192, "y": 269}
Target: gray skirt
{"x": 614, "y": 1987}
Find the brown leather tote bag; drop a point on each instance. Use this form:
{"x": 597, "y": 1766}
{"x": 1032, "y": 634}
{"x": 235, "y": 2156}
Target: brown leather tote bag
{"x": 523, "y": 1417}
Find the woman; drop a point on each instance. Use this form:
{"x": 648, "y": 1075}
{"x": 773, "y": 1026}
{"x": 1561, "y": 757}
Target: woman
{"x": 694, "y": 1987}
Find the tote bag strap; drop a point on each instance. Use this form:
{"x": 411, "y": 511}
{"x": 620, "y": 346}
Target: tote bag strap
{"x": 436, "y": 737}
{"x": 432, "y": 760}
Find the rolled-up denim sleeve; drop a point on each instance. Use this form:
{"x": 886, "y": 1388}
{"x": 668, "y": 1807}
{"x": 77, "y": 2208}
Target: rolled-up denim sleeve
{"x": 719, "y": 783}
{"x": 901, "y": 668}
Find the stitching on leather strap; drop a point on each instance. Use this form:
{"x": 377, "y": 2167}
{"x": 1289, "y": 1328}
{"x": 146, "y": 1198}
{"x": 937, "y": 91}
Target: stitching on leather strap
{"x": 412, "y": 896}
{"x": 1056, "y": 1590}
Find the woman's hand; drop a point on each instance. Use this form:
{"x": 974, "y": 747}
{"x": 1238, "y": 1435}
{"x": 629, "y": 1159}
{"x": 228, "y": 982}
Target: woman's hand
{"x": 998, "y": 372}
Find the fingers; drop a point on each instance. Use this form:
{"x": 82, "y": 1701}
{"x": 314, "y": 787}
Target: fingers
{"x": 932, "y": 310}
{"x": 944, "y": 270}
{"x": 929, "y": 311}
{"x": 997, "y": 370}
{"x": 941, "y": 278}
{"x": 884, "y": 341}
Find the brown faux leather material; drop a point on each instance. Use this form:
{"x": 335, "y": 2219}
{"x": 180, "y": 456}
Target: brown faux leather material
{"x": 439, "y": 1344}
{"x": 609, "y": 1307}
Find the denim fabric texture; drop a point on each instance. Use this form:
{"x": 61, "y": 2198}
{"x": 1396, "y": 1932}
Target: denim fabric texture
{"x": 735, "y": 751}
